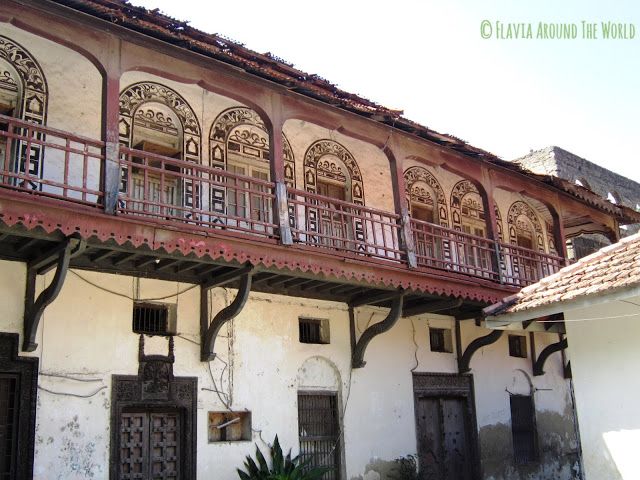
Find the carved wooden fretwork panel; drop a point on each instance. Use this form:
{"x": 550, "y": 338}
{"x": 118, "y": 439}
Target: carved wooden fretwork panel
{"x": 32, "y": 104}
{"x": 422, "y": 187}
{"x": 139, "y": 96}
{"x": 523, "y": 220}
{"x": 240, "y": 131}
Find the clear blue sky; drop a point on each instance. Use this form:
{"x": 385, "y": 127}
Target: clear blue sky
{"x": 428, "y": 58}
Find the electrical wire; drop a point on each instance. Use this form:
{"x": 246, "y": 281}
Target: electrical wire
{"x": 415, "y": 343}
{"x": 124, "y": 295}
{"x": 67, "y": 394}
{"x": 66, "y": 377}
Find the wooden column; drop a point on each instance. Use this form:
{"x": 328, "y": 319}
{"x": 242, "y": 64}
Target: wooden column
{"x": 110, "y": 128}
{"x": 281, "y": 206}
{"x": 401, "y": 207}
{"x": 491, "y": 219}
{"x": 558, "y": 234}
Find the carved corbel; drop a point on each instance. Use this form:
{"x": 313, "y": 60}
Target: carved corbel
{"x": 209, "y": 332}
{"x": 538, "y": 365}
{"x": 465, "y": 361}
{"x": 58, "y": 257}
{"x": 357, "y": 357}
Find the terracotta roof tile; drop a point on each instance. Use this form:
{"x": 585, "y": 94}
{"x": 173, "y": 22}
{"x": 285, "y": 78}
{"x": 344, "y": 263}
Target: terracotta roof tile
{"x": 613, "y": 267}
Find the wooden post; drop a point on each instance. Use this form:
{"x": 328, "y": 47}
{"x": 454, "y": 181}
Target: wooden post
{"x": 558, "y": 234}
{"x": 401, "y": 207}
{"x": 491, "y": 220}
{"x": 110, "y": 130}
{"x": 281, "y": 207}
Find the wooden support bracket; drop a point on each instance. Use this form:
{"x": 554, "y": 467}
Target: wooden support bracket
{"x": 464, "y": 361}
{"x": 357, "y": 356}
{"x": 209, "y": 332}
{"x": 538, "y": 365}
{"x": 58, "y": 257}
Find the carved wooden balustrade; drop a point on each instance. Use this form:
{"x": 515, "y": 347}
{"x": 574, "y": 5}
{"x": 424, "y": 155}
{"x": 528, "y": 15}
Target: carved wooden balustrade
{"x": 46, "y": 162}
{"x": 338, "y": 225}
{"x": 453, "y": 250}
{"x": 73, "y": 169}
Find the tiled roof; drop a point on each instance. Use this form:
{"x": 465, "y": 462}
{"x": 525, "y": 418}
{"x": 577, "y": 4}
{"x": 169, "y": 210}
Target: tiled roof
{"x": 612, "y": 268}
{"x": 265, "y": 65}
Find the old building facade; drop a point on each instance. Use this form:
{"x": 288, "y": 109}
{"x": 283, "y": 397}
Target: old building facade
{"x": 610, "y": 185}
{"x": 203, "y": 247}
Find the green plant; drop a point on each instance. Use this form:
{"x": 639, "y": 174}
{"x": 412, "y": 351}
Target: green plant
{"x": 282, "y": 467}
{"x": 406, "y": 468}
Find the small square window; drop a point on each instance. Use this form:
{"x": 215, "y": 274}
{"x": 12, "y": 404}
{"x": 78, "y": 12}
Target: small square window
{"x": 440, "y": 340}
{"x": 518, "y": 346}
{"x": 313, "y": 330}
{"x": 229, "y": 426}
{"x": 154, "y": 318}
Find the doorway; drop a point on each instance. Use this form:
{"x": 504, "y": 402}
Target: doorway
{"x": 445, "y": 427}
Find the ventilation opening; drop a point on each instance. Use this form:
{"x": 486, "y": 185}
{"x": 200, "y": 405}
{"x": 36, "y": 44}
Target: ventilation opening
{"x": 518, "y": 346}
{"x": 313, "y": 330}
{"x": 229, "y": 426}
{"x": 154, "y": 318}
{"x": 440, "y": 340}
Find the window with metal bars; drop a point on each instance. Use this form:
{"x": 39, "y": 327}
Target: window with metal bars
{"x": 518, "y": 346}
{"x": 523, "y": 429}
{"x": 313, "y": 330}
{"x": 153, "y": 318}
{"x": 319, "y": 431}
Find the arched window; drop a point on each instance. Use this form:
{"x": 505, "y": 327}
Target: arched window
{"x": 239, "y": 144}
{"x": 467, "y": 209}
{"x": 156, "y": 119}
{"x": 23, "y": 95}
{"x": 330, "y": 170}
{"x": 425, "y": 196}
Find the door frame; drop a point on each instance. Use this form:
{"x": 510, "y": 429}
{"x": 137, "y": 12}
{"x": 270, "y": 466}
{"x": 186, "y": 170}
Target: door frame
{"x": 438, "y": 385}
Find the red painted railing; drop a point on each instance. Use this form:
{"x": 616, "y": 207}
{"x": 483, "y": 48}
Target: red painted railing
{"x": 51, "y": 163}
{"x": 173, "y": 191}
{"x": 447, "y": 249}
{"x": 73, "y": 169}
{"x": 521, "y": 267}
{"x": 333, "y": 224}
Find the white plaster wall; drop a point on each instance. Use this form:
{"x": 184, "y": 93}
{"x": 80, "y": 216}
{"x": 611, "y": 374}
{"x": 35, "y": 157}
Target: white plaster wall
{"x": 604, "y": 360}
{"x": 496, "y": 376}
{"x": 86, "y": 334}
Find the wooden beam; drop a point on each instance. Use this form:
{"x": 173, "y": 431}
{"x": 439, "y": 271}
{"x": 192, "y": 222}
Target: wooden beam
{"x": 124, "y": 259}
{"x": 26, "y": 245}
{"x": 538, "y": 366}
{"x": 223, "y": 316}
{"x": 227, "y": 277}
{"x": 357, "y": 356}
{"x": 464, "y": 361}
{"x": 432, "y": 307}
{"x": 169, "y": 264}
{"x": 145, "y": 262}
{"x": 371, "y": 298}
{"x": 33, "y": 308}
{"x": 103, "y": 256}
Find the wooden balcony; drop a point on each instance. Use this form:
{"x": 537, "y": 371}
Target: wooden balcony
{"x": 187, "y": 197}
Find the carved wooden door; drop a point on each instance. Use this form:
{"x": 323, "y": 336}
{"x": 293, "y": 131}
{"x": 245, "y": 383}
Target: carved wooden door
{"x": 443, "y": 439}
{"x": 149, "y": 446}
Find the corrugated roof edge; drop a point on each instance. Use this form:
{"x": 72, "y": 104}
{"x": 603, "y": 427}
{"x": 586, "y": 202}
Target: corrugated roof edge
{"x": 179, "y": 33}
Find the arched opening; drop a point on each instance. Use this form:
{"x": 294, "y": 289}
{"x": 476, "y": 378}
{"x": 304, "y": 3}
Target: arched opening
{"x": 525, "y": 232}
{"x": 163, "y": 130}
{"x": 239, "y": 144}
{"x": 23, "y": 95}
{"x": 428, "y": 210}
{"x": 331, "y": 171}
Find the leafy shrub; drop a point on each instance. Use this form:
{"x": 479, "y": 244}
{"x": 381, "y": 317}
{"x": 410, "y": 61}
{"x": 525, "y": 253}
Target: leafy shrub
{"x": 406, "y": 468}
{"x": 282, "y": 467}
